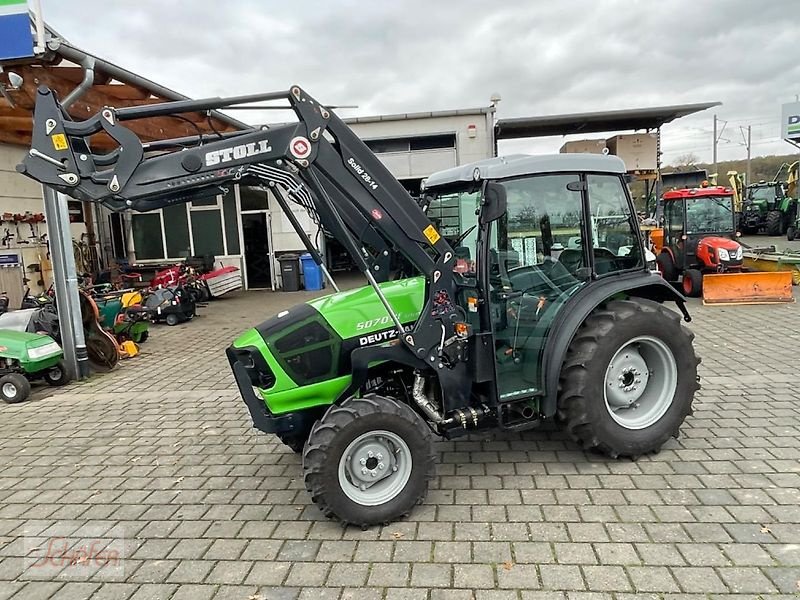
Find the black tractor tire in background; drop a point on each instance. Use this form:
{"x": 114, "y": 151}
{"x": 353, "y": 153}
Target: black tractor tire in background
{"x": 295, "y": 441}
{"x": 582, "y": 406}
{"x": 791, "y": 233}
{"x": 774, "y": 223}
{"x": 14, "y": 388}
{"x": 667, "y": 266}
{"x": 343, "y": 425}
{"x": 692, "y": 284}
{"x": 57, "y": 375}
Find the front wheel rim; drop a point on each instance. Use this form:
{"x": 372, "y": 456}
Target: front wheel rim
{"x": 640, "y": 383}
{"x": 55, "y": 373}
{"x": 375, "y": 468}
{"x": 9, "y": 390}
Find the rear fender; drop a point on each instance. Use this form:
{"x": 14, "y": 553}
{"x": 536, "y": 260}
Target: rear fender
{"x": 574, "y": 313}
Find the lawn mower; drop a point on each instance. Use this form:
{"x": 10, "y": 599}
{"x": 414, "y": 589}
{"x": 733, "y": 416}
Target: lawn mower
{"x": 544, "y": 312}
{"x": 170, "y": 305}
{"x": 25, "y": 357}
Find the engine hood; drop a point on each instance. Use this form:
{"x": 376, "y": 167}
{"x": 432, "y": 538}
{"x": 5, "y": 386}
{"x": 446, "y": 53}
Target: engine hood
{"x": 719, "y": 242}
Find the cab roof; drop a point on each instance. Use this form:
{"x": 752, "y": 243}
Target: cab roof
{"x": 712, "y": 190}
{"x": 515, "y": 165}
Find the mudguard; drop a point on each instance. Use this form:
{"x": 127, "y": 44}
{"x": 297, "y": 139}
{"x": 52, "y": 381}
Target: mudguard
{"x": 574, "y": 313}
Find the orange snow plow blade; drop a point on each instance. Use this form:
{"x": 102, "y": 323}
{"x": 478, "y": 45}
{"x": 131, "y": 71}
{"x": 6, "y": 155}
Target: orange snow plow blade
{"x": 748, "y": 288}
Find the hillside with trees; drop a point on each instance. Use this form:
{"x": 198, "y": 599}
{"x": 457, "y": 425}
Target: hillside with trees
{"x": 763, "y": 167}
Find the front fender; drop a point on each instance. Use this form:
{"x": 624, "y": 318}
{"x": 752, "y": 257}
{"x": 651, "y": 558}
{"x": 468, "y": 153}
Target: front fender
{"x": 574, "y": 313}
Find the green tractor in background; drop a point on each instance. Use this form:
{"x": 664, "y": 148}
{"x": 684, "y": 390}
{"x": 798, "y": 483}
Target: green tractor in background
{"x": 768, "y": 206}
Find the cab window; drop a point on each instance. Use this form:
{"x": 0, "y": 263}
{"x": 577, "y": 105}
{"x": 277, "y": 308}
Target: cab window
{"x": 455, "y": 217}
{"x": 615, "y": 240}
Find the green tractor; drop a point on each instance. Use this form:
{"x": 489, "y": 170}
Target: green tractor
{"x": 768, "y": 207}
{"x": 529, "y": 297}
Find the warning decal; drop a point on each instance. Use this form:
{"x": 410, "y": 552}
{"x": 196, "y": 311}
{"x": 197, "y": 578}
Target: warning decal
{"x": 432, "y": 235}
{"x": 60, "y": 141}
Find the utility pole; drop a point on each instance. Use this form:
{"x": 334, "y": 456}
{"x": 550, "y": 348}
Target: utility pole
{"x": 747, "y": 144}
{"x": 749, "y": 148}
{"x": 714, "y": 146}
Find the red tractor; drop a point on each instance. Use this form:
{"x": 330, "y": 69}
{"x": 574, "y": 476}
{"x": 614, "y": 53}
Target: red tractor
{"x": 699, "y": 236}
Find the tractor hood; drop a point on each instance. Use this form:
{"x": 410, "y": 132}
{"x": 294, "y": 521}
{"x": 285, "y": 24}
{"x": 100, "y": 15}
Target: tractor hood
{"x": 720, "y": 242}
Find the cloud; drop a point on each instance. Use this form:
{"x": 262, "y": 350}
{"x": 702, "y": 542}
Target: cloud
{"x": 542, "y": 57}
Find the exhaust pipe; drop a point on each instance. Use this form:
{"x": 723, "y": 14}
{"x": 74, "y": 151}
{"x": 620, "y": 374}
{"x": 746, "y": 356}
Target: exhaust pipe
{"x": 427, "y": 406}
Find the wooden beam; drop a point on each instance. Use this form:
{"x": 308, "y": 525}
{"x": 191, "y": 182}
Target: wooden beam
{"x": 124, "y": 92}
{"x": 16, "y": 123}
{"x": 16, "y": 138}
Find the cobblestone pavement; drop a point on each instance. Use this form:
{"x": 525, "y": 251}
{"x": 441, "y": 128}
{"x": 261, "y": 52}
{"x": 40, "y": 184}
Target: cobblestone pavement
{"x": 158, "y": 460}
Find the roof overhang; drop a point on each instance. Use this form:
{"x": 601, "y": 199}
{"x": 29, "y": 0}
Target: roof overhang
{"x": 63, "y": 67}
{"x": 595, "y": 122}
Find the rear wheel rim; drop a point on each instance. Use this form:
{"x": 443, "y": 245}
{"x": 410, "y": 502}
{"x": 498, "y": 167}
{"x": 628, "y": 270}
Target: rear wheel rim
{"x": 687, "y": 284}
{"x": 9, "y": 390}
{"x": 640, "y": 382}
{"x": 375, "y": 468}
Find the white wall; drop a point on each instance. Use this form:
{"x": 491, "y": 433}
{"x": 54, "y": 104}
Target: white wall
{"x": 19, "y": 194}
{"x": 422, "y": 163}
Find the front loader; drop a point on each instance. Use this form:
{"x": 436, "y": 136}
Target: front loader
{"x": 541, "y": 307}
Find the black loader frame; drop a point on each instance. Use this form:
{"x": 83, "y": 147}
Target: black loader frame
{"x": 317, "y": 162}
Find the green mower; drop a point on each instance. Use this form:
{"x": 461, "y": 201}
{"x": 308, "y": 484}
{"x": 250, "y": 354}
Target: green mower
{"x": 25, "y": 357}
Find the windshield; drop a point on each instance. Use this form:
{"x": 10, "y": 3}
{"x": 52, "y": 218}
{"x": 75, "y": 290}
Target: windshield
{"x": 762, "y": 193}
{"x": 709, "y": 214}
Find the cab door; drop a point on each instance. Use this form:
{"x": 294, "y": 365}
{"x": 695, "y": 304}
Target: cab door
{"x": 535, "y": 260}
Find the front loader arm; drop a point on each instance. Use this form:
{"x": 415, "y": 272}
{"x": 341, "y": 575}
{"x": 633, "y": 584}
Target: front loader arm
{"x": 317, "y": 162}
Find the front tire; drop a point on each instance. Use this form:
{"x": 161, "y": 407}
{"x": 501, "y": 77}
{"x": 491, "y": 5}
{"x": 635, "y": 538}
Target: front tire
{"x": 642, "y": 347}
{"x": 172, "y": 319}
{"x": 368, "y": 460}
{"x": 14, "y": 388}
{"x": 791, "y": 233}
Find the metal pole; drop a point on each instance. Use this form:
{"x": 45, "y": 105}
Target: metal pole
{"x": 749, "y": 132}
{"x": 714, "y": 146}
{"x": 65, "y": 281}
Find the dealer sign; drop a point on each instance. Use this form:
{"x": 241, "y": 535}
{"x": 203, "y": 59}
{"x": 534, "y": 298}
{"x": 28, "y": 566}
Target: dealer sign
{"x": 790, "y": 122}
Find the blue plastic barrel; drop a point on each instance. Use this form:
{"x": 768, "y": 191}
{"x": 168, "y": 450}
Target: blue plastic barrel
{"x": 312, "y": 274}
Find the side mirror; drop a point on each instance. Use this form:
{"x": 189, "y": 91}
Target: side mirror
{"x": 493, "y": 202}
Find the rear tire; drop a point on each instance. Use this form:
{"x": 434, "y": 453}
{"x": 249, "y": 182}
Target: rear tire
{"x": 14, "y": 388}
{"x": 774, "y": 223}
{"x": 591, "y": 406}
{"x": 294, "y": 441}
{"x": 666, "y": 265}
{"x": 692, "y": 283}
{"x": 347, "y": 440}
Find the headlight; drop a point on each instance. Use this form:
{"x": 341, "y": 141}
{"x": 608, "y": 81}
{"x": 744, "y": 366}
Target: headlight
{"x": 723, "y": 254}
{"x": 739, "y": 253}
{"x": 44, "y": 351}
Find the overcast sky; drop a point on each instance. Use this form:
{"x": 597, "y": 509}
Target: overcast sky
{"x": 542, "y": 57}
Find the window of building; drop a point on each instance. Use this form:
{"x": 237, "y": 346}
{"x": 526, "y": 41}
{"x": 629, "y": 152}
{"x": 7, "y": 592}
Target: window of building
{"x": 148, "y": 237}
{"x": 253, "y": 198}
{"x": 413, "y": 144}
{"x": 208, "y": 226}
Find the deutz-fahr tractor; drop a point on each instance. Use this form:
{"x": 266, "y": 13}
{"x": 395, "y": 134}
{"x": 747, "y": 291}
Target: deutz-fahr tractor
{"x": 539, "y": 308}
{"x": 767, "y": 206}
{"x": 699, "y": 236}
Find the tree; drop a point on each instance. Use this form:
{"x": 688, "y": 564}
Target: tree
{"x": 687, "y": 161}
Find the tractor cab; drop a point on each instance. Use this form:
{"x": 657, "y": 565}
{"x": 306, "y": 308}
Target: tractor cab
{"x": 568, "y": 222}
{"x": 699, "y": 236}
